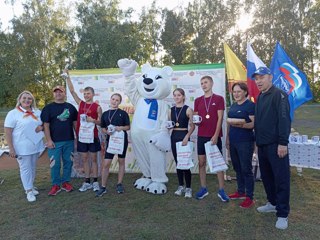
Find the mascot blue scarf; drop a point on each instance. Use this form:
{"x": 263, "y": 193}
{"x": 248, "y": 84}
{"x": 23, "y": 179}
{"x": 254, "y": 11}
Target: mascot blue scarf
{"x": 153, "y": 111}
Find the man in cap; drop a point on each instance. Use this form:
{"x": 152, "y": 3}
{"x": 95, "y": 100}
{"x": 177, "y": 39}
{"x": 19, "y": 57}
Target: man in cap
{"x": 272, "y": 128}
{"x": 59, "y": 118}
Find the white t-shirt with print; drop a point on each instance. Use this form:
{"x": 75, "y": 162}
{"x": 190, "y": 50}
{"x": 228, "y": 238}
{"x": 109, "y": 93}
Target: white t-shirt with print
{"x": 22, "y": 127}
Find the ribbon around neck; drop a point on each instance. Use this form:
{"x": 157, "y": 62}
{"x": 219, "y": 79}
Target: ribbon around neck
{"x": 153, "y": 110}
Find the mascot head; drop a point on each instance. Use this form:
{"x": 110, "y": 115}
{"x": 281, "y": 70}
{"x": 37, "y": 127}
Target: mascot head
{"x": 155, "y": 83}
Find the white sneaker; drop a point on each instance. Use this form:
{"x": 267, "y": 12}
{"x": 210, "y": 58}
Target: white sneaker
{"x": 282, "y": 223}
{"x": 31, "y": 197}
{"x": 188, "y": 193}
{"x": 35, "y": 192}
{"x": 85, "y": 186}
{"x": 267, "y": 208}
{"x": 179, "y": 191}
{"x": 95, "y": 186}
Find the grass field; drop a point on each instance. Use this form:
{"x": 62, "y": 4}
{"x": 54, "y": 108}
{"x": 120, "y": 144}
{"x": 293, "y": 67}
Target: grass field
{"x": 138, "y": 215}
{"x": 307, "y": 120}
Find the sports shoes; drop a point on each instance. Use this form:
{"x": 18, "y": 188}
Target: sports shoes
{"x": 95, "y": 186}
{"x": 35, "y": 191}
{"x": 67, "y": 187}
{"x": 31, "y": 197}
{"x": 237, "y": 195}
{"x": 267, "y": 208}
{"x": 54, "y": 190}
{"x": 120, "y": 188}
{"x": 101, "y": 191}
{"x": 179, "y": 191}
{"x": 282, "y": 223}
{"x": 223, "y": 196}
{"x": 188, "y": 193}
{"x": 247, "y": 203}
{"x": 203, "y": 192}
{"x": 85, "y": 186}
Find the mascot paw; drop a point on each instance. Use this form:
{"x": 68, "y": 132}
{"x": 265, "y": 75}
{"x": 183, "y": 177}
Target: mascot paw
{"x": 162, "y": 141}
{"x": 142, "y": 183}
{"x": 128, "y": 67}
{"x": 157, "y": 188}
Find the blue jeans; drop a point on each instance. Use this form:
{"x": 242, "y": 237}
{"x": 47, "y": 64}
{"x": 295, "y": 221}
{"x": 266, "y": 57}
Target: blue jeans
{"x": 241, "y": 157}
{"x": 62, "y": 151}
{"x": 275, "y": 174}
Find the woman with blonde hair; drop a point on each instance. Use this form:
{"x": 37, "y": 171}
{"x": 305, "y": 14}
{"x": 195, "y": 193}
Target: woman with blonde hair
{"x": 23, "y": 129}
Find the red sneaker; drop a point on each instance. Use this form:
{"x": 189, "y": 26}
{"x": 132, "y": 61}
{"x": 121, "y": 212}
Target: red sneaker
{"x": 54, "y": 190}
{"x": 67, "y": 187}
{"x": 237, "y": 195}
{"x": 247, "y": 203}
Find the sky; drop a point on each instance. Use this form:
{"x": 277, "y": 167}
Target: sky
{"x": 7, "y": 11}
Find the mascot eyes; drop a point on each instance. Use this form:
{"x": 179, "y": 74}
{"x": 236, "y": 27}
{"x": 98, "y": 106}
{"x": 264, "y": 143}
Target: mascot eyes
{"x": 144, "y": 75}
{"x": 158, "y": 77}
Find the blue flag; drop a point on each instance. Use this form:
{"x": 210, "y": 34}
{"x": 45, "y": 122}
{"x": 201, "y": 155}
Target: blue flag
{"x": 290, "y": 79}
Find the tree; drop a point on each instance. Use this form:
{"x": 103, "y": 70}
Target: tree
{"x": 312, "y": 26}
{"x": 173, "y": 37}
{"x": 208, "y": 23}
{"x": 38, "y": 44}
{"x": 105, "y": 34}
{"x": 149, "y": 34}
{"x": 295, "y": 23}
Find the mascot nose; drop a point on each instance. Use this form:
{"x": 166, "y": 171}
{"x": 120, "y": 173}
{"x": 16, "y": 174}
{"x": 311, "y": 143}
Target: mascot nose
{"x": 147, "y": 81}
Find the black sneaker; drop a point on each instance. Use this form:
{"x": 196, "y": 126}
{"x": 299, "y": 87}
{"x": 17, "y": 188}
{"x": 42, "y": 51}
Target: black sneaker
{"x": 120, "y": 188}
{"x": 102, "y": 191}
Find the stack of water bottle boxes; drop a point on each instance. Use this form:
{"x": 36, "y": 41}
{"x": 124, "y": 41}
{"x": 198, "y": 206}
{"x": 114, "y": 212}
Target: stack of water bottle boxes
{"x": 304, "y": 152}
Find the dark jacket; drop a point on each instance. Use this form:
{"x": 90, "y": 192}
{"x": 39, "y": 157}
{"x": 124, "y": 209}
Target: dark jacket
{"x": 272, "y": 122}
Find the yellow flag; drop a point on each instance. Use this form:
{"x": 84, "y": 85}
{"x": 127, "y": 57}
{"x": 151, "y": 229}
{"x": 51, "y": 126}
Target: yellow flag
{"x": 236, "y": 71}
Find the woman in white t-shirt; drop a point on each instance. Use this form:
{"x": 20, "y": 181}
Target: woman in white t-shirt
{"x": 24, "y": 135}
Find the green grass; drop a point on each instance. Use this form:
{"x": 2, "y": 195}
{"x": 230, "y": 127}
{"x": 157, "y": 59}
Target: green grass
{"x": 307, "y": 120}
{"x": 139, "y": 215}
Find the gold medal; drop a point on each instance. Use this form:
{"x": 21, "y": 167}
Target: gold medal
{"x": 207, "y": 116}
{"x": 177, "y": 124}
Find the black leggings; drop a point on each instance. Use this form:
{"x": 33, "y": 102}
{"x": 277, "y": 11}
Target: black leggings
{"x": 178, "y": 136}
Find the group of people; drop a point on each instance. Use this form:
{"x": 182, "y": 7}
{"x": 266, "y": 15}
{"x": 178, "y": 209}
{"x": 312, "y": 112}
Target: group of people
{"x": 265, "y": 124}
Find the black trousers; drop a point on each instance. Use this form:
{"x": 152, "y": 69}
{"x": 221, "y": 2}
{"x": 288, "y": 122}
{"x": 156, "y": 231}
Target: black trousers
{"x": 178, "y": 136}
{"x": 275, "y": 174}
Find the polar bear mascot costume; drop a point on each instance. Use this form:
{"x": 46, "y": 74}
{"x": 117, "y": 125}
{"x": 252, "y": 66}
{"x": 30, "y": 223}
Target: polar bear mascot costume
{"x": 149, "y": 135}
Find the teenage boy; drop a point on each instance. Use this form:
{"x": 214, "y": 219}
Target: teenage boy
{"x": 211, "y": 108}
{"x": 88, "y": 144}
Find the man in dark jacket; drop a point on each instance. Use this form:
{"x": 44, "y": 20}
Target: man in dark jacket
{"x": 272, "y": 130}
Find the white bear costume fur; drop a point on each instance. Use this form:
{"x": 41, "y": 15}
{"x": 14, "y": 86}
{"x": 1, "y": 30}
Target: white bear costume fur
{"x": 150, "y": 138}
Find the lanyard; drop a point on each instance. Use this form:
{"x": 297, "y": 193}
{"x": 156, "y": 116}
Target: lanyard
{"x": 207, "y": 106}
{"x": 178, "y": 115}
{"x": 85, "y": 110}
{"x": 110, "y": 118}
